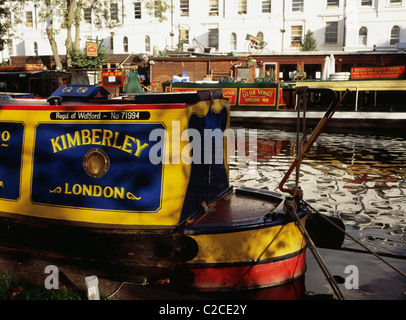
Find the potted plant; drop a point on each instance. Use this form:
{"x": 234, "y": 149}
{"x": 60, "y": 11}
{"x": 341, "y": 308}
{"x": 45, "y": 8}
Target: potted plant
{"x": 299, "y": 75}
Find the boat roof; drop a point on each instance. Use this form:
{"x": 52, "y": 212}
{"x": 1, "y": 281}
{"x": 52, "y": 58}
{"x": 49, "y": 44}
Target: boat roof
{"x": 361, "y": 85}
{"x": 138, "y": 99}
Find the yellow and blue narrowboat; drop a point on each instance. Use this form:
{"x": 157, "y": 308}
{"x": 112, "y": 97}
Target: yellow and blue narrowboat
{"x": 139, "y": 187}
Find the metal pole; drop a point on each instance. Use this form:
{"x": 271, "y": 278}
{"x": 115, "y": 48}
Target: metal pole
{"x": 323, "y": 122}
{"x": 95, "y": 60}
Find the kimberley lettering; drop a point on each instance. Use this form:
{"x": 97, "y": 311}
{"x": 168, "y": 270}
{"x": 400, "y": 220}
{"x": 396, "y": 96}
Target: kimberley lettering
{"x": 101, "y": 137}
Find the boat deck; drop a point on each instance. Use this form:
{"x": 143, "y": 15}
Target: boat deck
{"x": 246, "y": 208}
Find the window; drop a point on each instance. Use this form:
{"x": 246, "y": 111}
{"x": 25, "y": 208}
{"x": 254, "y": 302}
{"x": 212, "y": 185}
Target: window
{"x": 362, "y": 36}
{"x": 157, "y": 10}
{"x": 184, "y": 35}
{"x": 147, "y": 44}
{"x": 297, "y": 5}
{"x": 394, "y": 35}
{"x": 366, "y": 2}
{"x": 260, "y": 36}
{"x": 87, "y": 15}
{"x": 296, "y": 36}
{"x": 137, "y": 10}
{"x": 36, "y": 48}
{"x": 331, "y": 34}
{"x": 213, "y": 7}
{"x": 111, "y": 41}
{"x": 214, "y": 38}
{"x": 332, "y": 3}
{"x": 125, "y": 44}
{"x": 266, "y": 6}
{"x": 28, "y": 19}
{"x": 395, "y": 2}
{"x": 10, "y": 47}
{"x": 233, "y": 41}
{"x": 242, "y": 6}
{"x": 114, "y": 11}
{"x": 184, "y": 8}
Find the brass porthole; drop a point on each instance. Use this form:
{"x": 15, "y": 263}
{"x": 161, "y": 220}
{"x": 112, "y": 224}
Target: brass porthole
{"x": 96, "y": 163}
{"x": 67, "y": 89}
{"x": 81, "y": 90}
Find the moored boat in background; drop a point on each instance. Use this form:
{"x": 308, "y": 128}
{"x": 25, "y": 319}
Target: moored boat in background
{"x": 373, "y": 104}
{"x": 32, "y": 79}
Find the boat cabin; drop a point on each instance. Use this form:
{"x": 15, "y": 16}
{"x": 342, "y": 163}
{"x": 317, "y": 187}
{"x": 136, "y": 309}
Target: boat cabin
{"x": 31, "y": 78}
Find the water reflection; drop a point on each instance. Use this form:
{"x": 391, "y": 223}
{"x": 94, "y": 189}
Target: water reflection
{"x": 361, "y": 179}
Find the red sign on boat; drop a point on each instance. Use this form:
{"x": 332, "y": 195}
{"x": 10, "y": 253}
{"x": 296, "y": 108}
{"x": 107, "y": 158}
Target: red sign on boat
{"x": 257, "y": 96}
{"x": 378, "y": 72}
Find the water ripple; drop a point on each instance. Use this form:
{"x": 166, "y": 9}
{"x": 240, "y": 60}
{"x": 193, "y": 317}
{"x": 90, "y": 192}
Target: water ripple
{"x": 361, "y": 179}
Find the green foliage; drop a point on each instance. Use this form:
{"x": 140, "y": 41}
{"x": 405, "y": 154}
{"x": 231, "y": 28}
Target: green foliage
{"x": 80, "y": 60}
{"x": 157, "y": 8}
{"x": 4, "y": 11}
{"x": 56, "y": 15}
{"x": 309, "y": 42}
{"x": 13, "y": 287}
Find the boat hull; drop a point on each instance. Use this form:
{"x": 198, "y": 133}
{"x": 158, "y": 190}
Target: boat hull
{"x": 247, "y": 253}
{"x": 115, "y": 188}
{"x": 342, "y": 122}
{"x": 209, "y": 255}
{"x": 122, "y": 254}
{"x": 251, "y": 275}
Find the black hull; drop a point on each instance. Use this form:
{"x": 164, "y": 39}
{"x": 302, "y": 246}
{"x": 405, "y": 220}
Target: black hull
{"x": 119, "y": 254}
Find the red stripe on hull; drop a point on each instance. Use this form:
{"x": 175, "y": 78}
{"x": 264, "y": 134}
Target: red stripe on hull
{"x": 254, "y": 276}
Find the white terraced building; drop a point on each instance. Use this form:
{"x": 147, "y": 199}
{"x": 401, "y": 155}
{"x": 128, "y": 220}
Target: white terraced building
{"x": 222, "y": 26}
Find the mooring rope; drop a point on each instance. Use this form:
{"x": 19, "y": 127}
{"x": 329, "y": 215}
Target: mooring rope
{"x": 290, "y": 208}
{"x": 290, "y": 205}
{"x": 355, "y": 240}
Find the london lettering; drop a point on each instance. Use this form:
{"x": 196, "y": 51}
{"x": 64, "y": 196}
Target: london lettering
{"x": 95, "y": 191}
{"x": 101, "y": 137}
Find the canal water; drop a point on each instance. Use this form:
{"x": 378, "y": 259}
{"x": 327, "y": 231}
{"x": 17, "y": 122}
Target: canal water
{"x": 358, "y": 178}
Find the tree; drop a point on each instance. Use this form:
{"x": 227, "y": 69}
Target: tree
{"x": 309, "y": 42}
{"x": 57, "y": 15}
{"x": 157, "y": 8}
{"x": 4, "y": 12}
{"x": 49, "y": 19}
{"x": 80, "y": 60}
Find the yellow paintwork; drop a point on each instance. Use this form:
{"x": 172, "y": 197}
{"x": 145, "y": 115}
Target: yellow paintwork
{"x": 250, "y": 245}
{"x": 353, "y": 85}
{"x": 175, "y": 176}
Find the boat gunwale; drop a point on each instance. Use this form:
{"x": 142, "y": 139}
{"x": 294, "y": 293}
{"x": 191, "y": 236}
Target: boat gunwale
{"x": 208, "y": 265}
{"x": 241, "y": 225}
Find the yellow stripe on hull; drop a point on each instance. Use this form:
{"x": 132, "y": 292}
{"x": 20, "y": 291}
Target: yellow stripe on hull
{"x": 249, "y": 245}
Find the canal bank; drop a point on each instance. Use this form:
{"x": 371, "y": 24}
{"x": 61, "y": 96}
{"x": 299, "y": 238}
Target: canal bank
{"x": 360, "y": 276}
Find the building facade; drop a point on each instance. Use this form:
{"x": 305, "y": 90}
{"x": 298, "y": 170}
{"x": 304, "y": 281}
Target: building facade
{"x": 222, "y": 26}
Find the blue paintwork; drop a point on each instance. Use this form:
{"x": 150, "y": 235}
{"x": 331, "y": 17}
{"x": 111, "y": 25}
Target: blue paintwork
{"x": 64, "y": 169}
{"x": 11, "y": 145}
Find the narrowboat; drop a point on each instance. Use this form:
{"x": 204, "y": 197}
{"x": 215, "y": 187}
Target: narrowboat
{"x": 30, "y": 80}
{"x": 138, "y": 188}
{"x": 373, "y": 104}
